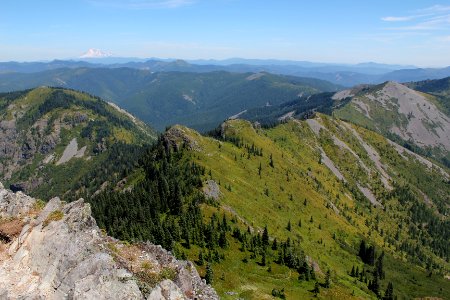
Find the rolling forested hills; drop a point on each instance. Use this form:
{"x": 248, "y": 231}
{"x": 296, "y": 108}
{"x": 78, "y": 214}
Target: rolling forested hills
{"x": 198, "y": 100}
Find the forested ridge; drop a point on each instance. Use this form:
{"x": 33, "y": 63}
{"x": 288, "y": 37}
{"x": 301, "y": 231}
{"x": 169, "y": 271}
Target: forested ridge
{"x": 162, "y": 202}
{"x": 38, "y": 126}
{"x": 162, "y": 207}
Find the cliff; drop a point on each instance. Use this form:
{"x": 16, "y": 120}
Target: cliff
{"x": 56, "y": 251}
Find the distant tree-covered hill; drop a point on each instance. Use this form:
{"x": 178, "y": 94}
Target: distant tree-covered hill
{"x": 199, "y": 100}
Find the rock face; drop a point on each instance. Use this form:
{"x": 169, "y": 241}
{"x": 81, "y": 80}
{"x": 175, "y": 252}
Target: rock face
{"x": 211, "y": 189}
{"x": 14, "y": 204}
{"x": 396, "y": 109}
{"x": 178, "y": 136}
{"x": 60, "y": 253}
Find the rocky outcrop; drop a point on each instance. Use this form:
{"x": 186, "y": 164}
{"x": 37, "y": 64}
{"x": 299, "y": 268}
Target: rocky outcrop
{"x": 393, "y": 107}
{"x": 14, "y": 204}
{"x": 60, "y": 253}
{"x": 211, "y": 189}
{"x": 178, "y": 136}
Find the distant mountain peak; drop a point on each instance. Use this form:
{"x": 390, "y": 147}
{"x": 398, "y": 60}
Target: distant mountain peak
{"x": 95, "y": 53}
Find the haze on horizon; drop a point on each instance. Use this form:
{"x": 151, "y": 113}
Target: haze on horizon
{"x": 409, "y": 33}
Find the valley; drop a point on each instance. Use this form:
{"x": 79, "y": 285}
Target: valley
{"x": 275, "y": 202}
{"x": 235, "y": 150}
{"x": 198, "y": 100}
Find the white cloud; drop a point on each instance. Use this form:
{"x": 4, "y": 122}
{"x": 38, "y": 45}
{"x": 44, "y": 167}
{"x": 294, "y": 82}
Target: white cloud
{"x": 432, "y": 18}
{"x": 142, "y": 4}
{"x": 397, "y": 19}
{"x": 435, "y": 9}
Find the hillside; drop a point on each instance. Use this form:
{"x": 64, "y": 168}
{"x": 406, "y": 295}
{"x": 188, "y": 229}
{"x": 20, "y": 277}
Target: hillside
{"x": 282, "y": 208}
{"x": 440, "y": 88}
{"x": 54, "y": 141}
{"x": 300, "y": 108}
{"x": 56, "y": 251}
{"x": 198, "y": 100}
{"x": 415, "y": 115}
{"x": 417, "y": 74}
{"x": 402, "y": 114}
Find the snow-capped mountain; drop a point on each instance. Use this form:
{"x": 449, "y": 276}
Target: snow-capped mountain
{"x": 96, "y": 53}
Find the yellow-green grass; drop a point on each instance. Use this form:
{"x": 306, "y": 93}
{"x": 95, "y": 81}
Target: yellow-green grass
{"x": 296, "y": 171}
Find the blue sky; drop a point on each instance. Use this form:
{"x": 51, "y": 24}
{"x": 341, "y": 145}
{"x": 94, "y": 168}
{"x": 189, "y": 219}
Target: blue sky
{"x": 350, "y": 31}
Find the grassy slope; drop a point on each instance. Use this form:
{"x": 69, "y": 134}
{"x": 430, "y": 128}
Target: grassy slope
{"x": 293, "y": 147}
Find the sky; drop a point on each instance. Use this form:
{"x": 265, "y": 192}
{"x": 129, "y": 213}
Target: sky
{"x": 347, "y": 31}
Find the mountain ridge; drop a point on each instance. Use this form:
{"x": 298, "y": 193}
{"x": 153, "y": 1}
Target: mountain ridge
{"x": 403, "y": 114}
{"x": 199, "y": 100}
{"x": 413, "y": 118}
{"x": 342, "y": 74}
{"x": 318, "y": 187}
{"x": 48, "y": 131}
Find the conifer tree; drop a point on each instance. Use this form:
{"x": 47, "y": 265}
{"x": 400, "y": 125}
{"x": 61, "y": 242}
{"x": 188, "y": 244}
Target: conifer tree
{"x": 224, "y": 223}
{"x": 274, "y": 244}
{"x": 375, "y": 285}
{"x": 265, "y": 237}
{"x": 316, "y": 289}
{"x": 362, "y": 250}
{"x": 223, "y": 242}
{"x": 306, "y": 270}
{"x": 370, "y": 255}
{"x": 313, "y": 274}
{"x": 209, "y": 274}
{"x": 389, "y": 293}
{"x": 379, "y": 266}
{"x": 200, "y": 261}
{"x": 328, "y": 279}
{"x": 263, "y": 258}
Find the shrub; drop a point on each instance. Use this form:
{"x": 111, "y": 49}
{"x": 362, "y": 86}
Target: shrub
{"x": 55, "y": 215}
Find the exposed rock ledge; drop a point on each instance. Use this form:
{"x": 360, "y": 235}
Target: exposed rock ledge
{"x": 58, "y": 252}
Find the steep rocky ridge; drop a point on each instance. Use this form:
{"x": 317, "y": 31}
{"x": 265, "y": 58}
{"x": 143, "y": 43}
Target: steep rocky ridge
{"x": 57, "y": 252}
{"x": 417, "y": 119}
{"x": 402, "y": 114}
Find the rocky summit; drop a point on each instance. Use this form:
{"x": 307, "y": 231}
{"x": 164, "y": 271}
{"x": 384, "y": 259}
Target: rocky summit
{"x": 56, "y": 251}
